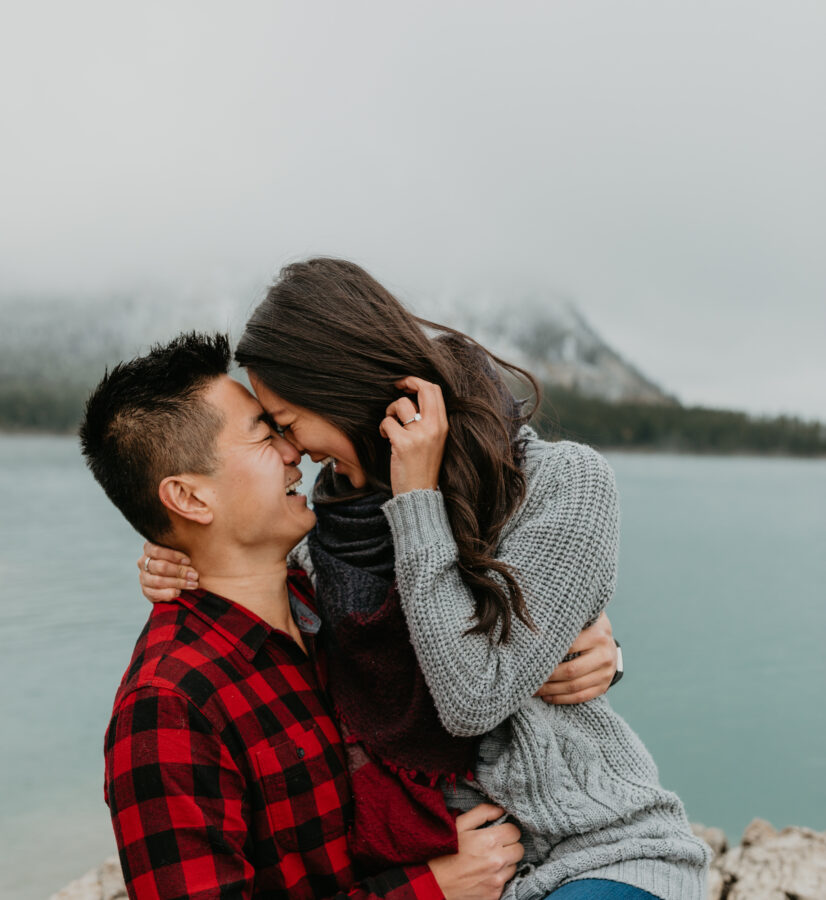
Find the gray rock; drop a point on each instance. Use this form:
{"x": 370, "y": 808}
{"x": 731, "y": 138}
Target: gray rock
{"x": 111, "y": 880}
{"x": 103, "y": 883}
{"x": 768, "y": 865}
{"x": 757, "y": 831}
{"x": 772, "y": 865}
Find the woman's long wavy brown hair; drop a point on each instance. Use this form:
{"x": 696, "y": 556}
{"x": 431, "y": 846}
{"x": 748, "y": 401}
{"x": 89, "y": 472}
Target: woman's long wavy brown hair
{"x": 330, "y": 338}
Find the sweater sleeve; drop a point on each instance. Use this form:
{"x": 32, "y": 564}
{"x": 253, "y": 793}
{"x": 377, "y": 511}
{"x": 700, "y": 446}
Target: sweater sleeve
{"x": 562, "y": 546}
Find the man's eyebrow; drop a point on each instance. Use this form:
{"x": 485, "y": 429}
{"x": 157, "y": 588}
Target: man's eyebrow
{"x": 264, "y": 417}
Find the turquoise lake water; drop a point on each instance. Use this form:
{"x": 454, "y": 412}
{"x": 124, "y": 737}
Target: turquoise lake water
{"x": 721, "y": 611}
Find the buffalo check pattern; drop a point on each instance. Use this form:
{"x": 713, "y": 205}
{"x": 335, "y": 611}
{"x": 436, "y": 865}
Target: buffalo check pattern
{"x": 225, "y": 771}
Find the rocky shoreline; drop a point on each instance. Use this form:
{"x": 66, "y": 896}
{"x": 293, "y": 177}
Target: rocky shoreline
{"x": 766, "y": 865}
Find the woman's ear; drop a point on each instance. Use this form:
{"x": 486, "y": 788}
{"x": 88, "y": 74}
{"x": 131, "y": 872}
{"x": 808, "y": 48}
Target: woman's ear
{"x": 184, "y": 495}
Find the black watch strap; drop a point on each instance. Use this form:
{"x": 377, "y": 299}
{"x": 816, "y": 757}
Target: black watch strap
{"x": 619, "y": 673}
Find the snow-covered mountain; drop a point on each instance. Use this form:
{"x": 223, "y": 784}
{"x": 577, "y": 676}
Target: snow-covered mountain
{"x": 68, "y": 340}
{"x": 551, "y": 338}
{"x": 64, "y": 341}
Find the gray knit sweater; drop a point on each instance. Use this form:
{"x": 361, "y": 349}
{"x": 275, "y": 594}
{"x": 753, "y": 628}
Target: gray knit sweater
{"x": 576, "y": 778}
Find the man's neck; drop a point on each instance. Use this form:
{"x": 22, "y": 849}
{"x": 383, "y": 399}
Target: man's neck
{"x": 258, "y": 582}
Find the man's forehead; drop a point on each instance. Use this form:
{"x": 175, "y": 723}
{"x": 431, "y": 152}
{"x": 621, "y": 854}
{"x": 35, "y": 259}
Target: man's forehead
{"x": 234, "y": 401}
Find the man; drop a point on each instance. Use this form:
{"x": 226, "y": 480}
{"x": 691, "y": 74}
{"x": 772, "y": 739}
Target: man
{"x": 225, "y": 773}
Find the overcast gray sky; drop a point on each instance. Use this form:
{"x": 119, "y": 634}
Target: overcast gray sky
{"x": 661, "y": 163}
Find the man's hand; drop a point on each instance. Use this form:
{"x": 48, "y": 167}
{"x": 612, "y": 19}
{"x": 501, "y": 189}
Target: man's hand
{"x": 486, "y": 859}
{"x": 589, "y": 675}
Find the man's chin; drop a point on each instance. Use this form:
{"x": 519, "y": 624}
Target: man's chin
{"x": 291, "y": 531}
{"x": 311, "y": 519}
{"x": 310, "y": 526}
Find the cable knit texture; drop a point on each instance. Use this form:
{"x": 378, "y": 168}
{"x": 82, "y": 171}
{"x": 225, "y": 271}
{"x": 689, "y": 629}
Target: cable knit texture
{"x": 576, "y": 778}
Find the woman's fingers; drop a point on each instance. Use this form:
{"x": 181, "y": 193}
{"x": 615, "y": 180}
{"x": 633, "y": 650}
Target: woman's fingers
{"x": 416, "y": 456}
{"x": 430, "y": 399}
{"x": 164, "y": 582}
{"x": 582, "y": 679}
{"x": 598, "y": 634}
{"x": 590, "y": 661}
{"x": 506, "y": 835}
{"x": 429, "y": 405}
{"x": 579, "y": 697}
{"x": 155, "y": 551}
{"x": 412, "y": 384}
{"x": 160, "y": 596}
{"x": 567, "y": 688}
{"x": 478, "y": 815}
{"x": 595, "y": 647}
{"x": 391, "y": 429}
{"x": 404, "y": 409}
{"x": 164, "y": 573}
{"x": 417, "y": 432}
{"x": 164, "y": 562}
{"x": 153, "y": 567}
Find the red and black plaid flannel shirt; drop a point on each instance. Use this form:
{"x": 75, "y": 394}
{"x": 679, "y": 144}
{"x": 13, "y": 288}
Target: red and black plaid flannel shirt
{"x": 225, "y": 771}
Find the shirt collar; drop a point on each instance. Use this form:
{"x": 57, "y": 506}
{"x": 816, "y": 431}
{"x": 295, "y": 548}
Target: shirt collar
{"x": 243, "y": 629}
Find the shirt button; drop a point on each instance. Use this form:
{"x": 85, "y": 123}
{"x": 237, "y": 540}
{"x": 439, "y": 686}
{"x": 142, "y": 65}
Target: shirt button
{"x": 301, "y": 753}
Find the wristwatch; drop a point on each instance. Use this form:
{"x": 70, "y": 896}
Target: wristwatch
{"x": 618, "y": 674}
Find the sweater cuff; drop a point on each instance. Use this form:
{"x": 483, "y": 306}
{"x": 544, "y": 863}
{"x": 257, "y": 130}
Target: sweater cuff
{"x": 418, "y": 519}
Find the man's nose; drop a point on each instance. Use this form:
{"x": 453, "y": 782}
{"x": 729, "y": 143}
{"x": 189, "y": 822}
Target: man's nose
{"x": 289, "y": 452}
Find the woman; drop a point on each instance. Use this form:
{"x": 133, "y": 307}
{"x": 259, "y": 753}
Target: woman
{"x": 503, "y": 548}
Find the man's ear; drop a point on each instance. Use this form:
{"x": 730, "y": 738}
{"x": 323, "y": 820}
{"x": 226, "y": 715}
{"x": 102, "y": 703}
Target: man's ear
{"x": 187, "y": 497}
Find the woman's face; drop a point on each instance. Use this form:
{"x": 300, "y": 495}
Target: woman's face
{"x": 310, "y": 433}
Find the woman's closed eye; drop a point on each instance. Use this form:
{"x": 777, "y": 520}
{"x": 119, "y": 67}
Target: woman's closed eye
{"x": 273, "y": 426}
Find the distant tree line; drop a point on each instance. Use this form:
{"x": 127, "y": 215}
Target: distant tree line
{"x": 674, "y": 428}
{"x": 32, "y": 405}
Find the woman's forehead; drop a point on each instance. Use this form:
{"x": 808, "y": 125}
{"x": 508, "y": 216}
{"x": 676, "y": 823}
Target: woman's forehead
{"x": 273, "y": 403}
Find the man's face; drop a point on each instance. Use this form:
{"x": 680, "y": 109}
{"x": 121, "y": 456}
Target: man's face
{"x": 255, "y": 468}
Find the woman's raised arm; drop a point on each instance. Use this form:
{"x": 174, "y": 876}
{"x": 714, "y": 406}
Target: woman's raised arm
{"x": 562, "y": 545}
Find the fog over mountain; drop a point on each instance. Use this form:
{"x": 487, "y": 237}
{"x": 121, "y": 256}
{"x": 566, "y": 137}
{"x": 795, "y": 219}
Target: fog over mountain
{"x": 659, "y": 162}
{"x": 71, "y": 341}
{"x": 549, "y": 336}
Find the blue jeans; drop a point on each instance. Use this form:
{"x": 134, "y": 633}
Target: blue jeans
{"x": 598, "y": 889}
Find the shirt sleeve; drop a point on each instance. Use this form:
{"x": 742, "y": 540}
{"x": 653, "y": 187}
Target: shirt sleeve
{"x": 562, "y": 549}
{"x": 176, "y": 800}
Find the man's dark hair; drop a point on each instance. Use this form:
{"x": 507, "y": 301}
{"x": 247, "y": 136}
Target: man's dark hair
{"x": 147, "y": 420}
